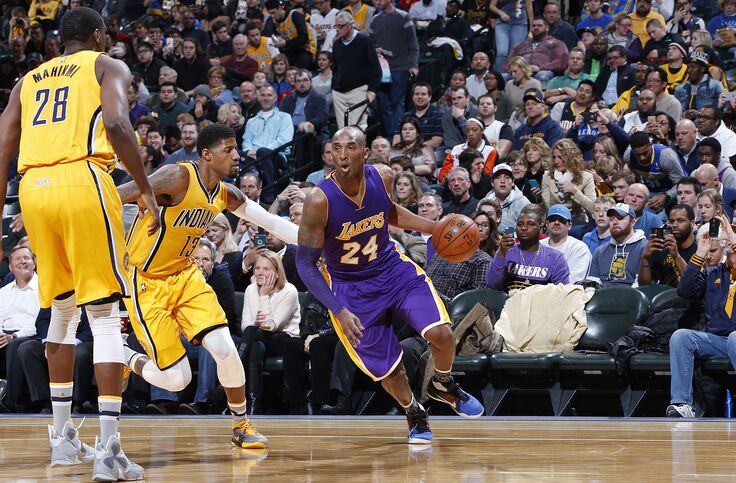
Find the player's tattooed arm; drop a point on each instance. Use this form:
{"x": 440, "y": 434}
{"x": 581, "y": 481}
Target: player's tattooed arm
{"x": 401, "y": 217}
{"x": 169, "y": 184}
{"x": 314, "y": 220}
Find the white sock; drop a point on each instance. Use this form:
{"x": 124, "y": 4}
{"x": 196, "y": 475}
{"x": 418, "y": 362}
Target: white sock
{"x": 61, "y": 403}
{"x": 109, "y": 409}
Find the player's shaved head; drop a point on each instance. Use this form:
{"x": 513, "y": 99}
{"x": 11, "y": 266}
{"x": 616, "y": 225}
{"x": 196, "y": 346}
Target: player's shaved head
{"x": 80, "y": 23}
{"x": 352, "y": 133}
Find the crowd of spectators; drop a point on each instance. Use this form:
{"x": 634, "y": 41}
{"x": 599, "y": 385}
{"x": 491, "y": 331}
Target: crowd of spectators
{"x": 589, "y": 146}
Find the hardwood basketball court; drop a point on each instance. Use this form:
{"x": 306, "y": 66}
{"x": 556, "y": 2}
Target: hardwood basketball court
{"x": 358, "y": 449}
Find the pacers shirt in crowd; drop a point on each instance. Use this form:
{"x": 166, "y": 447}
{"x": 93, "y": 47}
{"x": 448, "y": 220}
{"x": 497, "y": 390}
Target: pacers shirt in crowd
{"x": 520, "y": 269}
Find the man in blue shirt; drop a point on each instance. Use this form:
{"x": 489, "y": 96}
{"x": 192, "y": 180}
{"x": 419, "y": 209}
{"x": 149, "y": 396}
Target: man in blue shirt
{"x": 596, "y": 19}
{"x": 268, "y": 130}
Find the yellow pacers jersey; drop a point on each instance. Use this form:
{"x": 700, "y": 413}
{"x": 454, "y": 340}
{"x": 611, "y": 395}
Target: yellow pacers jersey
{"x": 61, "y": 114}
{"x": 287, "y": 29}
{"x": 170, "y": 250}
{"x": 260, "y": 54}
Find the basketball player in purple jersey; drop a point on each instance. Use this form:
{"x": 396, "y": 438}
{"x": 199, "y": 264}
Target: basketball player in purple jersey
{"x": 346, "y": 221}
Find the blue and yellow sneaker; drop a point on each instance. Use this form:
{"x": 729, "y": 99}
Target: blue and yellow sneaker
{"x": 246, "y": 435}
{"x": 453, "y": 395}
{"x": 419, "y": 432}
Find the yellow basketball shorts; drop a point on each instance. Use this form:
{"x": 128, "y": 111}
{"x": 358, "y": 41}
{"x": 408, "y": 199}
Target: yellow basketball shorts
{"x": 160, "y": 308}
{"x": 73, "y": 216}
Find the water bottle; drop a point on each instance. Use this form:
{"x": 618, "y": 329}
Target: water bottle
{"x": 729, "y": 404}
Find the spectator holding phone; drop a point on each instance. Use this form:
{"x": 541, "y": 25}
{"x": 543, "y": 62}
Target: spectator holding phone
{"x": 538, "y": 156}
{"x": 518, "y": 266}
{"x": 710, "y": 205}
{"x": 713, "y": 284}
{"x": 228, "y": 253}
{"x": 669, "y": 249}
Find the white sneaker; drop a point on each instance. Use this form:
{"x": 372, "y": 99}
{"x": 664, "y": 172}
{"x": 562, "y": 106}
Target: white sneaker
{"x": 680, "y": 411}
{"x": 111, "y": 464}
{"x": 66, "y": 448}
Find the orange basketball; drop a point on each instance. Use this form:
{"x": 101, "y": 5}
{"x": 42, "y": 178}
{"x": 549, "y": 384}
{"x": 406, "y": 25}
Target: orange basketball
{"x": 456, "y": 238}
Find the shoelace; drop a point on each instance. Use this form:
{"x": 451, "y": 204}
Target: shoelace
{"x": 247, "y": 425}
{"x": 455, "y": 390}
{"x": 419, "y": 420}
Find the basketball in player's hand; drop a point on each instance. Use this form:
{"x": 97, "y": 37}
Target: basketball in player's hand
{"x": 456, "y": 238}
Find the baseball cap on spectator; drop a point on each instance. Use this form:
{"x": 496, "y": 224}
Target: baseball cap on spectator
{"x": 621, "y": 209}
{"x": 502, "y": 168}
{"x": 698, "y": 57}
{"x": 560, "y": 211}
{"x": 202, "y": 90}
{"x": 589, "y": 30}
{"x": 534, "y": 95}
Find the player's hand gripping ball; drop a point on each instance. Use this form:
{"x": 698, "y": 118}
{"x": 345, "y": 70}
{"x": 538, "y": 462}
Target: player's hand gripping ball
{"x": 456, "y": 238}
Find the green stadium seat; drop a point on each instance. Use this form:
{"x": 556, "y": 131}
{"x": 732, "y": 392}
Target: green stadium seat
{"x": 239, "y": 301}
{"x": 7, "y": 220}
{"x": 476, "y": 367}
{"x": 610, "y": 313}
{"x": 652, "y": 291}
{"x": 648, "y": 372}
{"x": 464, "y": 302}
{"x": 11, "y": 194}
{"x": 664, "y": 297}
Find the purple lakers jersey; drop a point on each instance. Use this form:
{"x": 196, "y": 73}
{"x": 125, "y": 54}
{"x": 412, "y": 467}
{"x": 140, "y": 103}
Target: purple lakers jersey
{"x": 357, "y": 245}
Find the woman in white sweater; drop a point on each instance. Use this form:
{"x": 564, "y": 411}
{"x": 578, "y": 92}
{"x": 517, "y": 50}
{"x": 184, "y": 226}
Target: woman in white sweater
{"x": 271, "y": 316}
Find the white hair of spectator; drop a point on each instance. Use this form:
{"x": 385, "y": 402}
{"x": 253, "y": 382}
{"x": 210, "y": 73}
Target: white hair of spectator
{"x": 345, "y": 17}
{"x": 171, "y": 71}
{"x": 459, "y": 169}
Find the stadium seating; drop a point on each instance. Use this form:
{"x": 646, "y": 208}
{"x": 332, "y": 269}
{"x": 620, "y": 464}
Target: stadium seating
{"x": 610, "y": 313}
{"x": 652, "y": 291}
{"x": 475, "y": 369}
{"x": 663, "y": 297}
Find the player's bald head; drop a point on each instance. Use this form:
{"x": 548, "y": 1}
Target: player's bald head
{"x": 350, "y": 134}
